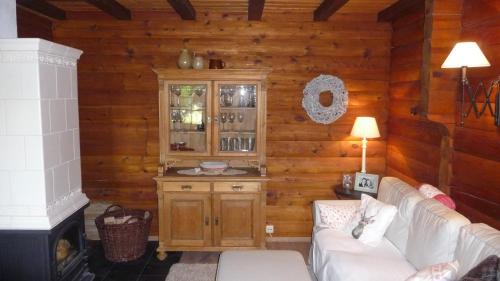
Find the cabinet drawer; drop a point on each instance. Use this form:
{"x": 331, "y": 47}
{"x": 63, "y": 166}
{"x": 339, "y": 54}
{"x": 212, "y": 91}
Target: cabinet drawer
{"x": 186, "y": 186}
{"x": 236, "y": 187}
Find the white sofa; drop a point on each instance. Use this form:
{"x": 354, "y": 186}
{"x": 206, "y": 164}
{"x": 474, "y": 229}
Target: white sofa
{"x": 424, "y": 232}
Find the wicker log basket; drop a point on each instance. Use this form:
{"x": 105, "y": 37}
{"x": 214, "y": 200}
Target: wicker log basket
{"x": 126, "y": 241}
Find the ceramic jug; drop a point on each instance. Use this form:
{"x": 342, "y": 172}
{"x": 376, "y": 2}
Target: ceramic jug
{"x": 185, "y": 59}
{"x": 198, "y": 62}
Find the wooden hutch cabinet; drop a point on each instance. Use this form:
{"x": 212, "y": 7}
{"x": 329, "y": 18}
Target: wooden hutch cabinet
{"x": 211, "y": 115}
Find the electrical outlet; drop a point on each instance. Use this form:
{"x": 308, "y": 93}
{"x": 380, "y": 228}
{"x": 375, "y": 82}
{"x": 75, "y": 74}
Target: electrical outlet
{"x": 269, "y": 228}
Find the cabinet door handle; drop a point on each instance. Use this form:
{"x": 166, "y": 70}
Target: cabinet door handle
{"x": 237, "y": 187}
{"x": 207, "y": 221}
{"x": 186, "y": 187}
{"x": 216, "y": 221}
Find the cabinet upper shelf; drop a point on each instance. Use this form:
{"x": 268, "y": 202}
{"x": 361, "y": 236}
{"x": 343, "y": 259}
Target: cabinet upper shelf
{"x": 211, "y": 74}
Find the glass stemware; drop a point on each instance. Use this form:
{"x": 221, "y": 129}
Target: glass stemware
{"x": 231, "y": 94}
{"x": 173, "y": 117}
{"x": 240, "y": 117}
{"x": 176, "y": 90}
{"x": 231, "y": 117}
{"x": 223, "y": 119}
{"x": 176, "y": 118}
{"x": 200, "y": 91}
{"x": 179, "y": 120}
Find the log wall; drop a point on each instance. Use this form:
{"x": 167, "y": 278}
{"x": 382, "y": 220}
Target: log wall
{"x": 118, "y": 96}
{"x": 31, "y": 25}
{"x": 476, "y": 161}
{"x": 413, "y": 142}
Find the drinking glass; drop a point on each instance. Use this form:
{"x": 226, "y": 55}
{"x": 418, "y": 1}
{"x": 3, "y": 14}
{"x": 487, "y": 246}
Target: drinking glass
{"x": 231, "y": 94}
{"x": 176, "y": 90}
{"x": 231, "y": 117}
{"x": 241, "y": 116}
{"x": 173, "y": 117}
{"x": 223, "y": 119}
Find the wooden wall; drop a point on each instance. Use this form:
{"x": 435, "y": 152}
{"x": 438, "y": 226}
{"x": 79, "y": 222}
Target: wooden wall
{"x": 31, "y": 25}
{"x": 119, "y": 103}
{"x": 443, "y": 28}
{"x": 476, "y": 160}
{"x": 413, "y": 142}
{"x": 417, "y": 147}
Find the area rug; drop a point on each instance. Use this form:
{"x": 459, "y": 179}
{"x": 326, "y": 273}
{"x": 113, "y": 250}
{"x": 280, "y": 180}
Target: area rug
{"x": 192, "y": 272}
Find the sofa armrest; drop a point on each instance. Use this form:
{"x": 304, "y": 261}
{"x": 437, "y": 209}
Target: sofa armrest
{"x": 315, "y": 213}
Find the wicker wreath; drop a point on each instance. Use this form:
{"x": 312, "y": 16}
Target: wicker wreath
{"x": 316, "y": 111}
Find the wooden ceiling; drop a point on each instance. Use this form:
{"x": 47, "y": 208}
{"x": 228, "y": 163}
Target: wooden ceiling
{"x": 320, "y": 10}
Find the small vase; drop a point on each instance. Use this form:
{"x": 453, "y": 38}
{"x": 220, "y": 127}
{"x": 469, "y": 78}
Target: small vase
{"x": 185, "y": 60}
{"x": 198, "y": 62}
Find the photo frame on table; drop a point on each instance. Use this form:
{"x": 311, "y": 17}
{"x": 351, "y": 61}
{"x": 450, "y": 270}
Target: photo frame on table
{"x": 366, "y": 182}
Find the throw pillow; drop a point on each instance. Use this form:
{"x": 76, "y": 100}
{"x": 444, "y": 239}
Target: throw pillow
{"x": 487, "y": 270}
{"x": 429, "y": 191}
{"x": 437, "y": 272}
{"x": 371, "y": 221}
{"x": 336, "y": 217}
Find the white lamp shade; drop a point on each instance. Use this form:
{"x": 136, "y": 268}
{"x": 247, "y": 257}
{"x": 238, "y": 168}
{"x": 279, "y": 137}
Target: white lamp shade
{"x": 365, "y": 127}
{"x": 466, "y": 54}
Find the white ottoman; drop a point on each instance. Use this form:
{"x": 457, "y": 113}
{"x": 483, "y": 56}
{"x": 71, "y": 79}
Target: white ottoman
{"x": 262, "y": 265}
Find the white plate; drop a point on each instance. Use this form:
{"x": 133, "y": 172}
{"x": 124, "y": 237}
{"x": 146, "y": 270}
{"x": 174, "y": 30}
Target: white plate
{"x": 213, "y": 165}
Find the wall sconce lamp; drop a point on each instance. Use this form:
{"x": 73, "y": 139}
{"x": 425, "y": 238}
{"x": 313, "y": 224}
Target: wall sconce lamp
{"x": 365, "y": 127}
{"x": 468, "y": 54}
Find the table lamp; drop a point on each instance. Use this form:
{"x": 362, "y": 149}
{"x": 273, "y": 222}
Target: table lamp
{"x": 464, "y": 55}
{"x": 365, "y": 127}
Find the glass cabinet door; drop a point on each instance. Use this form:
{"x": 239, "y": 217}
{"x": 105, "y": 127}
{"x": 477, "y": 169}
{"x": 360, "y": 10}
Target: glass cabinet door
{"x": 236, "y": 115}
{"x": 189, "y": 131}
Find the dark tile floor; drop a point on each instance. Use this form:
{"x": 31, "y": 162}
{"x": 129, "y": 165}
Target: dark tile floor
{"x": 146, "y": 268}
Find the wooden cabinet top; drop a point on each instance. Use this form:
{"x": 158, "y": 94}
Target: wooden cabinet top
{"x": 172, "y": 175}
{"x": 211, "y": 74}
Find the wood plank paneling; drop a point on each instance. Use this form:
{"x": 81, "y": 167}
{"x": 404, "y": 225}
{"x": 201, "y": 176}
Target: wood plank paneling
{"x": 31, "y": 25}
{"x": 416, "y": 147}
{"x": 476, "y": 162}
{"x": 119, "y": 100}
{"x": 411, "y": 151}
{"x": 442, "y": 34}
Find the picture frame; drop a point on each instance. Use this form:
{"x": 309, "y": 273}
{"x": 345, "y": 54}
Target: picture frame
{"x": 366, "y": 182}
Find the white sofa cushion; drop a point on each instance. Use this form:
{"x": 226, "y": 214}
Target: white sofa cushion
{"x": 402, "y": 195}
{"x": 433, "y": 234}
{"x": 342, "y": 266}
{"x": 336, "y": 217}
{"x": 376, "y": 215}
{"x": 439, "y": 272}
{"x": 475, "y": 243}
{"x": 330, "y": 242}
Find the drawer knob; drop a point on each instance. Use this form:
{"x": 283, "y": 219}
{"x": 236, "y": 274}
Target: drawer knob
{"x": 186, "y": 187}
{"x": 237, "y": 187}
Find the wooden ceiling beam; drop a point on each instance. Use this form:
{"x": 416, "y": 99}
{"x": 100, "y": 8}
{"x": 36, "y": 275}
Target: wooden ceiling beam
{"x": 113, "y": 8}
{"x": 255, "y": 9}
{"x": 184, "y": 9}
{"x": 43, "y": 7}
{"x": 397, "y": 9}
{"x": 328, "y": 8}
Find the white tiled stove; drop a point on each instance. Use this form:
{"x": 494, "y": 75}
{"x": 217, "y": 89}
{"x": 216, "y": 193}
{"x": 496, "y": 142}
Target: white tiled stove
{"x": 40, "y": 170}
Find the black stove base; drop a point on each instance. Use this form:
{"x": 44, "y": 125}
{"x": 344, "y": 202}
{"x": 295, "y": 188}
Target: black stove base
{"x": 30, "y": 255}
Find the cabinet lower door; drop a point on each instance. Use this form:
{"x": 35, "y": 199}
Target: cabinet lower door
{"x": 236, "y": 220}
{"x": 188, "y": 219}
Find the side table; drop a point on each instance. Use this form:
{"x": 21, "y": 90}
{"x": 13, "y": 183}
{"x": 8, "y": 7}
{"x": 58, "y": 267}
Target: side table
{"x": 350, "y": 194}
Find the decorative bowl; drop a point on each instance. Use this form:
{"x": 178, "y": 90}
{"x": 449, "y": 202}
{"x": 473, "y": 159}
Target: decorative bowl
{"x": 213, "y": 166}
